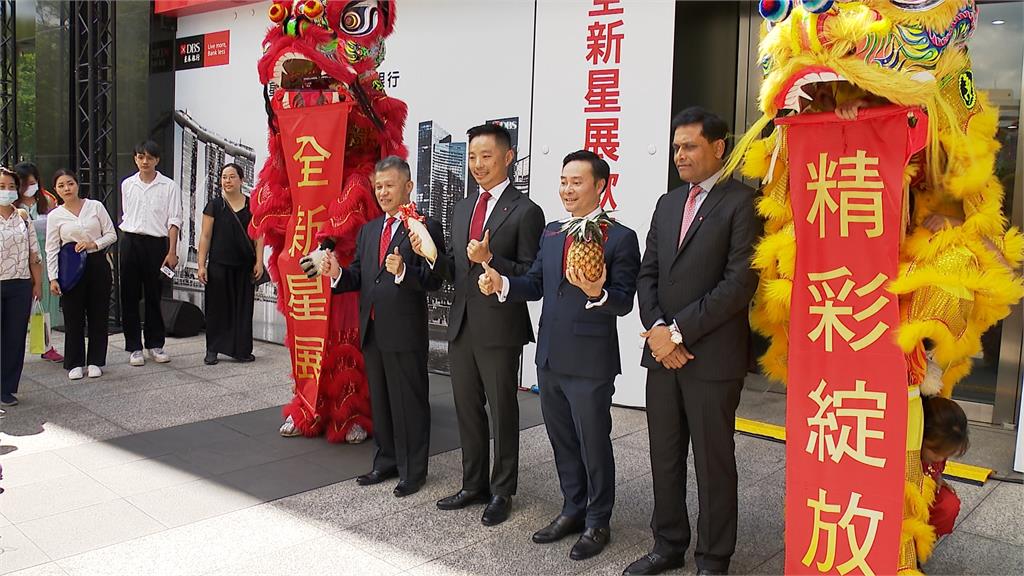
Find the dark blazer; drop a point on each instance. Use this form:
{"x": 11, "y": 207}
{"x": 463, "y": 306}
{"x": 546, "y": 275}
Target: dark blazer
{"x": 400, "y": 310}
{"x": 516, "y": 223}
{"x": 705, "y": 285}
{"x": 574, "y": 340}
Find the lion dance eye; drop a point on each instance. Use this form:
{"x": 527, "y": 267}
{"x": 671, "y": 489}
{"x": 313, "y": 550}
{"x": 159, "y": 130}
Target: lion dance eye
{"x": 360, "y": 17}
{"x": 816, "y": 6}
{"x": 775, "y": 10}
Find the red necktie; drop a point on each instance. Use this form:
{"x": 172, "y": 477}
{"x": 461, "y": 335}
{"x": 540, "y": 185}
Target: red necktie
{"x": 385, "y": 240}
{"x": 476, "y": 226}
{"x": 689, "y": 212}
{"x": 565, "y": 251}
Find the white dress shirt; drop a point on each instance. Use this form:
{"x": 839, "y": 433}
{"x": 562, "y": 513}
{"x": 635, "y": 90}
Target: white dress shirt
{"x": 706, "y": 187}
{"x": 92, "y": 224}
{"x": 503, "y": 293}
{"x": 18, "y": 247}
{"x": 150, "y": 209}
{"x": 394, "y": 230}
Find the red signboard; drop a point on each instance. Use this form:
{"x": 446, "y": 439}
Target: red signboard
{"x": 189, "y": 7}
{"x": 313, "y": 142}
{"x": 846, "y": 402}
{"x": 202, "y": 51}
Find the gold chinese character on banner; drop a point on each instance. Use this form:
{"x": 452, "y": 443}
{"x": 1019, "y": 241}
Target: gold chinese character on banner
{"x": 306, "y": 298}
{"x": 860, "y": 193}
{"x": 859, "y": 549}
{"x": 836, "y": 412}
{"x": 306, "y": 229}
{"x": 833, "y": 308}
{"x": 307, "y": 159}
{"x": 308, "y": 357}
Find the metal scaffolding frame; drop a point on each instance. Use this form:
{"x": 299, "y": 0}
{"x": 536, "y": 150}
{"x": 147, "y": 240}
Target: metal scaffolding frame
{"x": 8, "y": 86}
{"x": 93, "y": 127}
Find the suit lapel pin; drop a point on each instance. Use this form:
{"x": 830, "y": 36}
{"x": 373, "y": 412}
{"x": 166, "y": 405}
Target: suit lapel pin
{"x": 505, "y": 209}
{"x": 700, "y": 218}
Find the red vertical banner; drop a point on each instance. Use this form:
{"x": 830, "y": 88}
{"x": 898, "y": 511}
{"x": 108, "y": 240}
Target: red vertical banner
{"x": 846, "y": 406}
{"x": 313, "y": 142}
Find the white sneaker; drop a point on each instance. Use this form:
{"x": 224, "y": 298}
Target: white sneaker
{"x": 75, "y": 373}
{"x": 159, "y": 356}
{"x": 288, "y": 429}
{"x": 94, "y": 371}
{"x": 137, "y": 359}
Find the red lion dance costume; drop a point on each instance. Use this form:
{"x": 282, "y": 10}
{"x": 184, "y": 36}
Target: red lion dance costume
{"x": 320, "y": 61}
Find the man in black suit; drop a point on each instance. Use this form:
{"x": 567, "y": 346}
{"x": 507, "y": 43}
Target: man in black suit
{"x": 578, "y": 353}
{"x": 501, "y": 226}
{"x": 694, "y": 291}
{"x": 393, "y": 283}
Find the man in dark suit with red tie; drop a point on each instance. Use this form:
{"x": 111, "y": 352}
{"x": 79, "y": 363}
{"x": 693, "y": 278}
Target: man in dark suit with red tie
{"x": 502, "y": 227}
{"x": 694, "y": 291}
{"x": 578, "y": 353}
{"x": 393, "y": 283}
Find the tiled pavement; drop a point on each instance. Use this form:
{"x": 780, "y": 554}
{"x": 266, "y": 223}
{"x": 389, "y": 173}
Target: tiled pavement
{"x": 178, "y": 469}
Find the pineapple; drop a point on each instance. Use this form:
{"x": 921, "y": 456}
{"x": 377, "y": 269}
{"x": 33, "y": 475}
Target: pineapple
{"x": 586, "y": 253}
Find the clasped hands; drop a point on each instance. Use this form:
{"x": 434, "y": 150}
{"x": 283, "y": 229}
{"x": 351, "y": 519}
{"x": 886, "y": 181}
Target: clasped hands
{"x": 671, "y": 355}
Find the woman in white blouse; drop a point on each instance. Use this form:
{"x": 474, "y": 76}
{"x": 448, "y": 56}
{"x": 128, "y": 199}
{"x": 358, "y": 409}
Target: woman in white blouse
{"x": 20, "y": 282}
{"x": 86, "y": 224}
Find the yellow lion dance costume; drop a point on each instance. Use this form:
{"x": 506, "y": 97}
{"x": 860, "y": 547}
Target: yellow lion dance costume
{"x": 957, "y": 258}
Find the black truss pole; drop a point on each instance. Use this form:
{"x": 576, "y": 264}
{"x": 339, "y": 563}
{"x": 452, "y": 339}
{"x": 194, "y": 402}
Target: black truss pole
{"x": 8, "y": 86}
{"x": 93, "y": 126}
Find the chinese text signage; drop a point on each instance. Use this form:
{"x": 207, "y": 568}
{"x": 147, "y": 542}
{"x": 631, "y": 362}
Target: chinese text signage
{"x": 846, "y": 407}
{"x": 313, "y": 141}
{"x": 602, "y": 109}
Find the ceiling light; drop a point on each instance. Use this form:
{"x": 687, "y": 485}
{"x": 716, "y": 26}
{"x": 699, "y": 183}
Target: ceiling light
{"x": 999, "y": 22}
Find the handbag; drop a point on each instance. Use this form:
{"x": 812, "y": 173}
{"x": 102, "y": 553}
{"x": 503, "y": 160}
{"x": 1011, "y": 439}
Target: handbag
{"x": 70, "y": 266}
{"x": 265, "y": 276}
{"x": 36, "y": 330}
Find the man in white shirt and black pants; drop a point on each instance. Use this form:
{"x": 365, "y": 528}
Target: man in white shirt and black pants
{"x": 151, "y": 204}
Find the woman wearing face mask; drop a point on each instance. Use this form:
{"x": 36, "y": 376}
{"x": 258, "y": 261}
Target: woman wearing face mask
{"x": 38, "y": 202}
{"x": 233, "y": 267}
{"x": 86, "y": 224}
{"x": 20, "y": 283}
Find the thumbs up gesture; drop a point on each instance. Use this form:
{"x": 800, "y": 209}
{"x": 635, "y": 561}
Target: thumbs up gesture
{"x": 394, "y": 264}
{"x": 490, "y": 281}
{"x": 479, "y": 251}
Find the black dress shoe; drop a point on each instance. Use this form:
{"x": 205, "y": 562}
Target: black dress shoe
{"x": 249, "y": 358}
{"x": 461, "y": 499}
{"x": 376, "y": 477}
{"x": 497, "y": 510}
{"x": 211, "y": 358}
{"x": 407, "y": 488}
{"x": 559, "y": 528}
{"x": 653, "y": 564}
{"x": 591, "y": 543}
{"x": 708, "y": 572}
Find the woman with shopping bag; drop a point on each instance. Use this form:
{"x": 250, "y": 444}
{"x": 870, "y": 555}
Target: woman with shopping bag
{"x": 20, "y": 284}
{"x": 38, "y": 202}
{"x": 77, "y": 235}
{"x": 234, "y": 269}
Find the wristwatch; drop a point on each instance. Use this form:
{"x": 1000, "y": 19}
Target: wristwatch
{"x": 676, "y": 336}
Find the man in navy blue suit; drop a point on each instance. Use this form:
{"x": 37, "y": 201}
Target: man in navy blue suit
{"x": 578, "y": 354}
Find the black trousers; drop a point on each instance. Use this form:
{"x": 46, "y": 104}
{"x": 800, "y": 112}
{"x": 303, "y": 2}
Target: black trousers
{"x": 141, "y": 259}
{"x": 87, "y": 303}
{"x": 230, "y": 297}
{"x": 15, "y": 308}
{"x": 486, "y": 376}
{"x": 400, "y": 405}
{"x": 680, "y": 410}
{"x": 577, "y": 415}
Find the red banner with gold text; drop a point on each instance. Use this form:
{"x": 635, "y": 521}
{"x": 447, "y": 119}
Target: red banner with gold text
{"x": 846, "y": 407}
{"x": 313, "y": 142}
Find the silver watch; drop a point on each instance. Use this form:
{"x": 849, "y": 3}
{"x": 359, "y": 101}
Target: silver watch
{"x": 676, "y": 336}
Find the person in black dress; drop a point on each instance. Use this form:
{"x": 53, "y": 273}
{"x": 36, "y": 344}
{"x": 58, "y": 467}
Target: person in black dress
{"x": 229, "y": 267}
